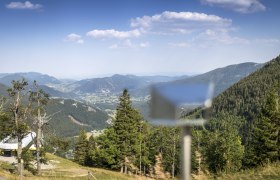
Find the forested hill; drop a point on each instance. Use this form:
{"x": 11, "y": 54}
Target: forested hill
{"x": 224, "y": 77}
{"x": 246, "y": 97}
{"x": 72, "y": 116}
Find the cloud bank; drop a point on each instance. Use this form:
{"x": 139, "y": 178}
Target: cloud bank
{"x": 241, "y": 6}
{"x": 198, "y": 27}
{"x": 23, "y": 5}
{"x": 178, "y": 22}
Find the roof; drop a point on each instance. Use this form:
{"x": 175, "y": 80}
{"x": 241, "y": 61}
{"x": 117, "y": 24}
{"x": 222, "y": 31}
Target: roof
{"x": 10, "y": 143}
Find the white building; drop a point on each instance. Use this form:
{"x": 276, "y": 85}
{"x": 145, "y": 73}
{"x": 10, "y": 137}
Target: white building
{"x": 9, "y": 145}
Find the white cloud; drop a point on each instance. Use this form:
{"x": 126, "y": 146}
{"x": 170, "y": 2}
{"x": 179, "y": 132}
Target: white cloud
{"x": 112, "y": 33}
{"x": 178, "y": 22}
{"x": 74, "y": 38}
{"x": 23, "y": 5}
{"x": 221, "y": 36}
{"x": 242, "y": 6}
{"x": 191, "y": 25}
{"x": 128, "y": 44}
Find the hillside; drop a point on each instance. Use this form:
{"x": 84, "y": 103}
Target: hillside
{"x": 55, "y": 93}
{"x": 246, "y": 97}
{"x": 65, "y": 169}
{"x": 71, "y": 116}
{"x": 139, "y": 85}
{"x": 224, "y": 77}
{"x": 41, "y": 79}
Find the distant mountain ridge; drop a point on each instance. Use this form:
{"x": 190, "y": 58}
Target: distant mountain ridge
{"x": 247, "y": 96}
{"x": 138, "y": 86}
{"x": 41, "y": 79}
{"x": 224, "y": 77}
{"x": 77, "y": 115}
{"x": 117, "y": 83}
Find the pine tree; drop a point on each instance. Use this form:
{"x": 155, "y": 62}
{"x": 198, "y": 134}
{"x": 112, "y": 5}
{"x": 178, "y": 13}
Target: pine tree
{"x": 107, "y": 154}
{"x": 91, "y": 153}
{"x": 165, "y": 141}
{"x": 126, "y": 128}
{"x": 264, "y": 146}
{"x": 223, "y": 149}
{"x": 81, "y": 149}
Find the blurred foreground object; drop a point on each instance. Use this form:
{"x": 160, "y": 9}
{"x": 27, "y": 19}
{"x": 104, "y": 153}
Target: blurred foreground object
{"x": 169, "y": 101}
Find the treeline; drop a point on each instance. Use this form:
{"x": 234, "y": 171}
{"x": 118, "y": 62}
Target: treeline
{"x": 242, "y": 133}
{"x": 131, "y": 145}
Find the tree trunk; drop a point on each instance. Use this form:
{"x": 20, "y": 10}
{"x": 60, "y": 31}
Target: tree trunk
{"x": 125, "y": 169}
{"x": 38, "y": 141}
{"x": 19, "y": 149}
{"x": 38, "y": 147}
{"x": 20, "y": 161}
{"x": 140, "y": 164}
{"x": 174, "y": 154}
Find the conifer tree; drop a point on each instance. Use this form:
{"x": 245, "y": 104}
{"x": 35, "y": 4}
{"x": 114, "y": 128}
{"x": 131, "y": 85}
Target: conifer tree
{"x": 107, "y": 153}
{"x": 223, "y": 149}
{"x": 81, "y": 149}
{"x": 265, "y": 138}
{"x": 165, "y": 141}
{"x": 126, "y": 128}
{"x": 92, "y": 152}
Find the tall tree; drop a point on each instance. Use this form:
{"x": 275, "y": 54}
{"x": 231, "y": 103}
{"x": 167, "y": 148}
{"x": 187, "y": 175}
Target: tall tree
{"x": 40, "y": 98}
{"x": 264, "y": 146}
{"x": 142, "y": 151}
{"x": 81, "y": 149}
{"x": 20, "y": 111}
{"x": 126, "y": 128}
{"x": 165, "y": 141}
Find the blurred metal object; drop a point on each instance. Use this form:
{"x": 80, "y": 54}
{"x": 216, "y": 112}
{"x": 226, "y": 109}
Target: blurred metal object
{"x": 169, "y": 101}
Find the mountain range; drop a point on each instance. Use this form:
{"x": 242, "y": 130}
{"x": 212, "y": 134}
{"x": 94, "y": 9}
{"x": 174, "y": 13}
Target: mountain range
{"x": 76, "y": 101}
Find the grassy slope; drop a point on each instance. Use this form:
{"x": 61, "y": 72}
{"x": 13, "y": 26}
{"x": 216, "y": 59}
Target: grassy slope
{"x": 269, "y": 172}
{"x": 65, "y": 169}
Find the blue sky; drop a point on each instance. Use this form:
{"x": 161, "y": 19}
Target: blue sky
{"x": 89, "y": 38}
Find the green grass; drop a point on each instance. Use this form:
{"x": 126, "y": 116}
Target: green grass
{"x": 65, "y": 169}
{"x": 269, "y": 172}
